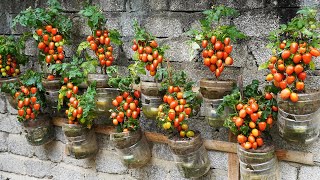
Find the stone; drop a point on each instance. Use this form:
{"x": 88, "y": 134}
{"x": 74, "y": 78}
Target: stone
{"x": 59, "y": 134}
{"x": 109, "y": 162}
{"x": 10, "y": 124}
{"x": 189, "y": 5}
{"x": 3, "y": 141}
{"x": 13, "y": 163}
{"x": 111, "y": 5}
{"x": 243, "y": 4}
{"x": 84, "y": 163}
{"x": 179, "y": 44}
{"x": 103, "y": 176}
{"x": 17, "y": 144}
{"x": 38, "y": 168}
{"x": 258, "y": 23}
{"x": 287, "y": 171}
{"x": 309, "y": 172}
{"x": 15, "y": 6}
{"x": 153, "y": 170}
{"x": 10, "y": 109}
{"x": 72, "y": 6}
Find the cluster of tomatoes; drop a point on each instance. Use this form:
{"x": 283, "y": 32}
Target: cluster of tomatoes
{"x": 217, "y": 54}
{"x": 51, "y": 44}
{"x": 288, "y": 69}
{"x": 100, "y": 44}
{"x": 250, "y": 115}
{"x": 9, "y": 66}
{"x": 175, "y": 111}
{"x": 28, "y": 106}
{"x": 74, "y": 112}
{"x": 127, "y": 110}
{"x": 149, "y": 54}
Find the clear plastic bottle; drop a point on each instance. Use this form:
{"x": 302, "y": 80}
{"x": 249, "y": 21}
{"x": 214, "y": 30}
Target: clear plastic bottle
{"x": 39, "y": 131}
{"x": 81, "y": 141}
{"x": 104, "y": 99}
{"x": 209, "y": 110}
{"x": 190, "y": 155}
{"x": 132, "y": 147}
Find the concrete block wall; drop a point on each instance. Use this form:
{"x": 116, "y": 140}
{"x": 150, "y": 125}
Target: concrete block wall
{"x": 168, "y": 20}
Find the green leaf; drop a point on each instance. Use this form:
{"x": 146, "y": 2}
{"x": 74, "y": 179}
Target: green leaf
{"x": 264, "y": 65}
{"x": 115, "y": 37}
{"x": 82, "y": 46}
{"x": 312, "y": 65}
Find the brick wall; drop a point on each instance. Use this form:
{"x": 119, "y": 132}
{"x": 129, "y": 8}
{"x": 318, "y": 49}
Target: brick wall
{"x": 168, "y": 20}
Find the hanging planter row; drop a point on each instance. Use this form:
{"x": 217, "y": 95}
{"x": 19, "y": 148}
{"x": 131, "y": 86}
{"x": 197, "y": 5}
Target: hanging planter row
{"x": 90, "y": 90}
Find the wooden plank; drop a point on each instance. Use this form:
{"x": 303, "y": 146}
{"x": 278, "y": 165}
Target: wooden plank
{"x": 230, "y": 147}
{"x": 233, "y": 162}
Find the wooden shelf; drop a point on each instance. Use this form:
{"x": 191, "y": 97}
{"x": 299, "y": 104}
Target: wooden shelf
{"x": 212, "y": 145}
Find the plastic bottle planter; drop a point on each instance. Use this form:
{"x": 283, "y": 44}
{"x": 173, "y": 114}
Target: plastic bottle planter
{"x": 104, "y": 99}
{"x": 132, "y": 147}
{"x": 150, "y": 88}
{"x": 209, "y": 111}
{"x": 150, "y": 105}
{"x": 213, "y": 89}
{"x": 81, "y": 141}
{"x": 299, "y": 122}
{"x": 190, "y": 156}
{"x": 39, "y": 131}
{"x": 54, "y": 84}
{"x": 260, "y": 164}
{"x": 8, "y": 80}
{"x": 101, "y": 79}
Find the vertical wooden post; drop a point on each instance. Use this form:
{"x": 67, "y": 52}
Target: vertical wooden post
{"x": 233, "y": 162}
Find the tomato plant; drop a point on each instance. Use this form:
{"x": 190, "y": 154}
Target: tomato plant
{"x": 179, "y": 102}
{"x": 293, "y": 45}
{"x": 147, "y": 50}
{"x": 216, "y": 43}
{"x": 11, "y": 56}
{"x": 253, "y": 113}
{"x": 100, "y": 41}
{"x": 29, "y": 93}
{"x": 51, "y": 30}
{"x": 81, "y": 107}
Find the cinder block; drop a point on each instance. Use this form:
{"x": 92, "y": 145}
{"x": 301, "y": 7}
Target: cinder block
{"x": 38, "y": 168}
{"x": 287, "y": 171}
{"x": 111, "y": 5}
{"x": 31, "y": 47}
{"x": 6, "y": 175}
{"x": 109, "y": 162}
{"x": 17, "y": 144}
{"x": 159, "y": 4}
{"x": 10, "y": 124}
{"x": 257, "y": 23}
{"x": 3, "y": 141}
{"x": 53, "y": 151}
{"x": 189, "y": 5}
{"x": 71, "y": 5}
{"x": 161, "y": 151}
{"x": 84, "y": 163}
{"x": 244, "y": 4}
{"x": 65, "y": 171}
{"x": 12, "y": 163}
{"x": 309, "y": 172}
{"x": 218, "y": 160}
{"x": 3, "y": 103}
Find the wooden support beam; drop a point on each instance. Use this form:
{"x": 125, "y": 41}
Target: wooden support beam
{"x": 230, "y": 147}
{"x": 233, "y": 161}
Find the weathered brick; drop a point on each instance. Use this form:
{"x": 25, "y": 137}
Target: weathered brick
{"x": 153, "y": 170}
{"x": 3, "y": 141}
{"x": 13, "y": 163}
{"x": 258, "y": 23}
{"x": 111, "y": 5}
{"x": 38, "y": 168}
{"x": 10, "y": 109}
{"x": 189, "y": 5}
{"x": 161, "y": 151}
{"x": 68, "y": 5}
{"x": 17, "y": 144}
{"x": 10, "y": 124}
{"x": 179, "y": 50}
{"x": 103, "y": 176}
{"x": 84, "y": 163}
{"x": 59, "y": 134}
{"x": 109, "y": 162}
{"x": 4, "y": 23}
{"x": 80, "y": 26}
{"x": 15, "y": 6}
